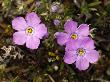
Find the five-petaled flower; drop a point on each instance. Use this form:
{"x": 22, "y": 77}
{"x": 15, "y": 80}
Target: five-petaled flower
{"x": 71, "y": 32}
{"x": 81, "y": 52}
{"x": 29, "y": 30}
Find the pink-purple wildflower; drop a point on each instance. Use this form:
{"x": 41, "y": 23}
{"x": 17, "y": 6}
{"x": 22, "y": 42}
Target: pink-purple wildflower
{"x": 81, "y": 52}
{"x": 56, "y": 22}
{"x": 71, "y": 32}
{"x": 54, "y": 7}
{"x": 29, "y": 30}
{"x": 38, "y": 3}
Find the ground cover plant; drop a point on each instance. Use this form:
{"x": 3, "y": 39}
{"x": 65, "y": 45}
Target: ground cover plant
{"x": 54, "y": 41}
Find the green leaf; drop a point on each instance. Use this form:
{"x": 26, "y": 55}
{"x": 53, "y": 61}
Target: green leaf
{"x": 15, "y": 79}
{"x": 37, "y": 79}
{"x": 94, "y": 4}
{"x": 62, "y": 66}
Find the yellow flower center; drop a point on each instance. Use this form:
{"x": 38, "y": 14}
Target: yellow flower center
{"x": 74, "y": 36}
{"x": 29, "y": 30}
{"x": 81, "y": 52}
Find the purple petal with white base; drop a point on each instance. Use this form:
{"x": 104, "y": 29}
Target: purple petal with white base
{"x": 41, "y": 30}
{"x": 62, "y": 38}
{"x": 32, "y": 19}
{"x": 92, "y": 56}
{"x": 19, "y": 37}
{"x": 19, "y": 23}
{"x": 69, "y": 57}
{"x": 82, "y": 63}
{"x": 33, "y": 43}
{"x": 70, "y": 26}
{"x": 88, "y": 43}
{"x": 83, "y": 30}
{"x": 72, "y": 45}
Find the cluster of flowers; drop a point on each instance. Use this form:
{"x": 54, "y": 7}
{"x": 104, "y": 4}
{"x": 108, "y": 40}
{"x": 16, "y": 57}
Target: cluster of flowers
{"x": 79, "y": 46}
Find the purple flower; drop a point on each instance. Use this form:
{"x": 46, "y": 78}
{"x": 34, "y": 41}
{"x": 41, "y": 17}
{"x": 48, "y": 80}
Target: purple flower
{"x": 54, "y": 8}
{"x": 81, "y": 52}
{"x": 56, "y": 22}
{"x": 29, "y": 30}
{"x": 38, "y": 3}
{"x": 71, "y": 32}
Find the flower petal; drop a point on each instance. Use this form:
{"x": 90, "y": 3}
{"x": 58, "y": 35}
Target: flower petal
{"x": 83, "y": 30}
{"x": 62, "y": 38}
{"x": 40, "y": 31}
{"x": 19, "y": 23}
{"x": 19, "y": 37}
{"x": 73, "y": 45}
{"x": 70, "y": 26}
{"x": 70, "y": 57}
{"x": 32, "y": 42}
{"x": 92, "y": 56}
{"x": 88, "y": 43}
{"x": 32, "y": 19}
{"x": 82, "y": 63}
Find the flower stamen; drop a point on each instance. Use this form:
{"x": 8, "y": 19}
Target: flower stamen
{"x": 74, "y": 36}
{"x": 29, "y": 30}
{"x": 80, "y": 51}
